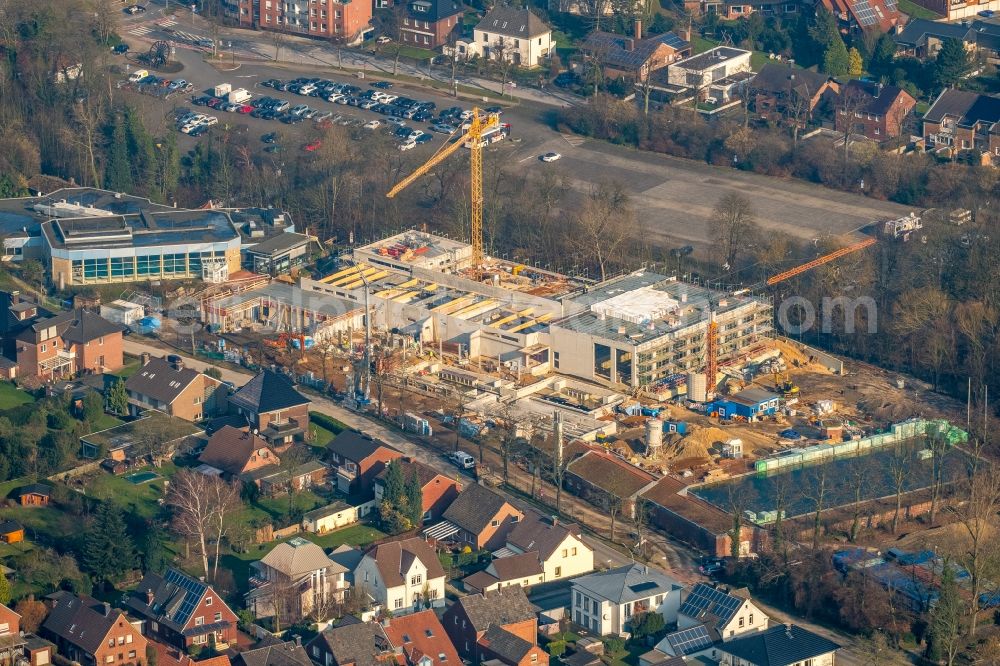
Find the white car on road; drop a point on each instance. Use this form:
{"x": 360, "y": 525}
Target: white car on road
{"x": 462, "y": 459}
{"x": 550, "y": 157}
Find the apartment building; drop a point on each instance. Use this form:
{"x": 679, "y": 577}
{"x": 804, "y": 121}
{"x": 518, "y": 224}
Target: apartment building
{"x": 429, "y": 23}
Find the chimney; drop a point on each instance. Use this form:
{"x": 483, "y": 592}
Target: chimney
{"x": 629, "y": 44}
{"x": 788, "y": 629}
{"x": 638, "y": 29}
{"x": 15, "y": 297}
{"x": 149, "y": 597}
{"x": 555, "y": 520}
{"x": 298, "y": 641}
{"x": 144, "y": 357}
{"x": 107, "y": 609}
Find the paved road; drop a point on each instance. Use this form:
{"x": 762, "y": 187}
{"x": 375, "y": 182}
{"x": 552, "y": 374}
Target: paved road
{"x": 603, "y": 553}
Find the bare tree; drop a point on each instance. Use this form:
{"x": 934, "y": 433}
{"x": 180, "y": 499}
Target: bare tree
{"x": 190, "y": 499}
{"x": 277, "y": 41}
{"x": 899, "y": 468}
{"x": 732, "y": 226}
{"x": 816, "y": 493}
{"x": 939, "y": 448}
{"x": 850, "y": 103}
{"x": 979, "y": 555}
{"x": 603, "y": 224}
{"x": 224, "y": 499}
{"x": 859, "y": 480}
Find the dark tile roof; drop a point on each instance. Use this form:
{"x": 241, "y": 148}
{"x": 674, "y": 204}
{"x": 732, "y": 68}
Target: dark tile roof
{"x": 433, "y": 10}
{"x": 8, "y": 526}
{"x": 780, "y": 78}
{"x": 35, "y": 489}
{"x": 269, "y": 391}
{"x": 230, "y": 449}
{"x": 355, "y": 446}
{"x": 625, "y": 53}
{"x": 512, "y": 22}
{"x": 508, "y": 647}
{"x": 782, "y": 645}
{"x": 161, "y": 380}
{"x": 176, "y": 595}
{"x": 425, "y": 473}
{"x": 81, "y": 621}
{"x": 279, "y": 244}
{"x": 474, "y": 508}
{"x": 877, "y": 98}
{"x": 500, "y": 607}
{"x": 968, "y": 107}
{"x": 279, "y": 654}
{"x": 517, "y": 567}
{"x": 88, "y": 326}
{"x": 917, "y": 31}
{"x": 538, "y": 534}
{"x": 357, "y": 643}
{"x": 419, "y": 634}
{"x": 610, "y": 474}
{"x": 394, "y": 559}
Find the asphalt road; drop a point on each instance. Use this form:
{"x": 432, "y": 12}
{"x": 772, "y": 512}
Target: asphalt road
{"x": 673, "y": 197}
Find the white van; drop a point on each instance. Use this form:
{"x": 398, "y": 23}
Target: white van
{"x": 138, "y": 75}
{"x": 239, "y": 96}
{"x": 462, "y": 459}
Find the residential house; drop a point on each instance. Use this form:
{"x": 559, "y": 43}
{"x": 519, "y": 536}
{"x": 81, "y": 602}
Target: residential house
{"x": 717, "y": 74}
{"x": 182, "y": 611}
{"x": 961, "y": 120}
{"x": 923, "y": 38}
{"x": 420, "y": 640}
{"x": 429, "y": 24}
{"x": 607, "y": 481}
{"x": 352, "y": 643}
{"x": 560, "y": 546}
{"x": 359, "y": 459}
{"x": 709, "y": 615}
{"x": 238, "y": 452}
{"x": 91, "y": 632}
{"x": 782, "y": 92}
{"x": 167, "y": 385}
{"x": 480, "y": 517}
{"x": 340, "y": 20}
{"x": 12, "y": 643}
{"x": 274, "y": 653}
{"x": 439, "y": 491}
{"x": 484, "y": 627}
{"x": 856, "y": 17}
{"x": 17, "y": 312}
{"x": 402, "y": 575}
{"x": 634, "y": 58}
{"x": 348, "y": 557}
{"x": 782, "y": 645}
{"x": 523, "y": 569}
{"x": 514, "y": 34}
{"x": 295, "y": 580}
{"x": 732, "y": 10}
{"x": 11, "y": 531}
{"x": 871, "y": 109}
{"x": 34, "y": 494}
{"x": 273, "y": 480}
{"x": 956, "y": 10}
{"x": 68, "y": 343}
{"x": 272, "y": 407}
{"x": 606, "y": 602}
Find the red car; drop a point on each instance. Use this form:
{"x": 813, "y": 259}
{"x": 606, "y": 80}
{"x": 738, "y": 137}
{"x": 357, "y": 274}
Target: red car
{"x": 310, "y": 147}
{"x": 246, "y": 108}
{"x": 214, "y": 103}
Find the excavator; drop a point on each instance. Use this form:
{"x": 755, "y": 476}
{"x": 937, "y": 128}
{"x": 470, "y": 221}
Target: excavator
{"x": 784, "y": 385}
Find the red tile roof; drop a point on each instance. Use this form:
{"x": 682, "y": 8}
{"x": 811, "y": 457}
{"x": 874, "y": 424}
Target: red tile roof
{"x": 420, "y": 634}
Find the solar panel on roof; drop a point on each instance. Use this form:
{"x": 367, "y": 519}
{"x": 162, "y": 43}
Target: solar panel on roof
{"x": 706, "y": 598}
{"x": 864, "y": 13}
{"x": 690, "y": 640}
{"x": 193, "y": 591}
{"x": 642, "y": 587}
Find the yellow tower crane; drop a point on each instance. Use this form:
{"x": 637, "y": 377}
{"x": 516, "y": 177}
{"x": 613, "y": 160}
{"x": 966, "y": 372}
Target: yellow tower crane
{"x": 473, "y": 137}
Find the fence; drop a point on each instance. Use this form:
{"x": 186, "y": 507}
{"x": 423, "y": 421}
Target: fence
{"x": 897, "y": 433}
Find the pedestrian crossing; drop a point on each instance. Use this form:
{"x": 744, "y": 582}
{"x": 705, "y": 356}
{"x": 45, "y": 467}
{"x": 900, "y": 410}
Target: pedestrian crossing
{"x": 185, "y": 36}
{"x": 141, "y": 31}
{"x": 167, "y": 22}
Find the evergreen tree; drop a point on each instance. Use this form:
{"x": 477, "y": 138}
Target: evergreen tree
{"x": 883, "y": 58}
{"x": 836, "y": 59}
{"x": 154, "y": 556}
{"x": 856, "y": 64}
{"x": 118, "y": 170}
{"x": 140, "y": 149}
{"x": 169, "y": 166}
{"x": 108, "y": 551}
{"x": 93, "y": 407}
{"x": 952, "y": 63}
{"x": 4, "y": 590}
{"x": 394, "y": 485}
{"x": 414, "y": 499}
{"x": 945, "y": 631}
{"x": 118, "y": 398}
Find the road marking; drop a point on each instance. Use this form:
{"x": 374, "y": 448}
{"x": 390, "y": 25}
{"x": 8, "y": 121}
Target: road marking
{"x": 166, "y": 23}
{"x": 141, "y": 30}
{"x": 529, "y": 157}
{"x": 574, "y": 140}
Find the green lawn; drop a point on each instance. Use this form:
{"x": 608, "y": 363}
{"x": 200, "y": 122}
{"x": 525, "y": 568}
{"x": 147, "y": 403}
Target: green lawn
{"x": 360, "y": 534}
{"x": 128, "y": 369}
{"x": 142, "y": 499}
{"x": 319, "y": 436}
{"x": 305, "y": 500}
{"x": 11, "y": 396}
{"x": 105, "y": 421}
{"x": 389, "y": 50}
{"x": 916, "y": 11}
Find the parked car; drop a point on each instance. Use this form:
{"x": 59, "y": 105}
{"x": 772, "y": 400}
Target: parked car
{"x": 134, "y": 9}
{"x": 442, "y": 128}
{"x": 407, "y": 145}
{"x": 382, "y": 85}
{"x": 383, "y": 39}
{"x": 215, "y": 102}
{"x": 120, "y": 49}
{"x": 424, "y": 138}
{"x": 198, "y": 131}
{"x": 270, "y": 137}
{"x": 320, "y": 117}
{"x": 462, "y": 459}
{"x": 271, "y": 83}
{"x": 550, "y": 157}
{"x": 566, "y": 80}
{"x": 712, "y": 566}
{"x": 201, "y": 100}
{"x": 312, "y": 146}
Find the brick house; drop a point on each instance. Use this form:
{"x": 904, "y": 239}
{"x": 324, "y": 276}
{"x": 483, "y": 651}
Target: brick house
{"x": 960, "y": 120}
{"x": 780, "y": 92}
{"x": 165, "y": 384}
{"x": 501, "y": 624}
{"x": 91, "y": 632}
{"x": 633, "y": 57}
{"x": 420, "y": 637}
{"x": 352, "y": 643}
{"x": 604, "y": 479}
{"x": 482, "y": 518}
{"x": 12, "y": 643}
{"x": 322, "y": 19}
{"x": 182, "y": 611}
{"x": 273, "y": 407}
{"x": 68, "y": 343}
{"x": 439, "y": 491}
{"x": 359, "y": 459}
{"x": 429, "y": 23}
{"x": 237, "y": 452}
{"x": 871, "y": 109}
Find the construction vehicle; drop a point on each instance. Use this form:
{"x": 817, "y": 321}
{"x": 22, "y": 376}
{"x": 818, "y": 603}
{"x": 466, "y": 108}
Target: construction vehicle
{"x": 784, "y": 385}
{"x": 480, "y": 125}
